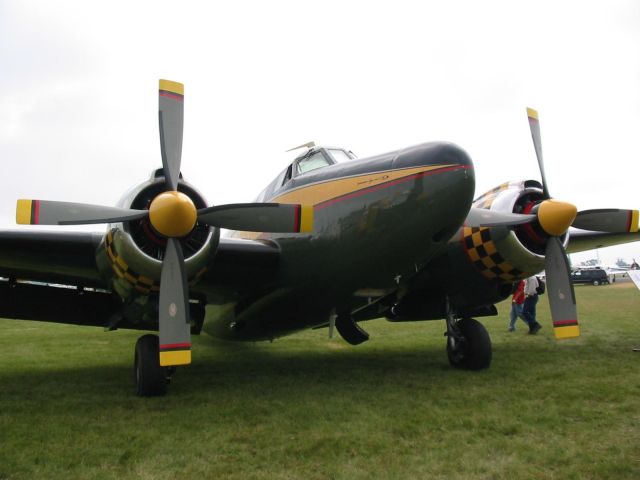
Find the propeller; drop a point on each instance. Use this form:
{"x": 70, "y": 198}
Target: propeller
{"x": 555, "y": 218}
{"x": 173, "y": 215}
{"x": 534, "y": 126}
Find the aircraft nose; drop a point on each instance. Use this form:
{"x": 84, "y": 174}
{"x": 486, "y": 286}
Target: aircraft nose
{"x": 433, "y": 154}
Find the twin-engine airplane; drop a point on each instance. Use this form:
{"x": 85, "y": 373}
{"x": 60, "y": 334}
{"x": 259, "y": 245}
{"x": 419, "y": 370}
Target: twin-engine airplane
{"x": 326, "y": 244}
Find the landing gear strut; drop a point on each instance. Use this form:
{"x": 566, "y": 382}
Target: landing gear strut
{"x": 468, "y": 343}
{"x": 151, "y": 379}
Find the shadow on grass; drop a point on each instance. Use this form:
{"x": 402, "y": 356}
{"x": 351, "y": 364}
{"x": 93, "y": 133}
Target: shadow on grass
{"x": 230, "y": 369}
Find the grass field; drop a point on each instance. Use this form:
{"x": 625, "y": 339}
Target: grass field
{"x": 311, "y": 408}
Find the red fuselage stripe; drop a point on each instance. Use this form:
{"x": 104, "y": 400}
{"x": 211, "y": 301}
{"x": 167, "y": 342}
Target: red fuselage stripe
{"x": 389, "y": 184}
{"x": 629, "y": 220}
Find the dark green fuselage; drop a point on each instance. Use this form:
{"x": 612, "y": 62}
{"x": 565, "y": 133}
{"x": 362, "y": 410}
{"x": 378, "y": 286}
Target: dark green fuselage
{"x": 377, "y": 223}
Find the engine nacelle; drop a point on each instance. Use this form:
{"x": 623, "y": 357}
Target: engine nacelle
{"x": 508, "y": 254}
{"x": 131, "y": 253}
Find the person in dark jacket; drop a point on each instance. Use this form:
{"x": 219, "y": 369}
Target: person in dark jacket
{"x": 529, "y": 306}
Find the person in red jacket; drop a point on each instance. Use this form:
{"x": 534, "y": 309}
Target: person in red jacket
{"x": 517, "y": 303}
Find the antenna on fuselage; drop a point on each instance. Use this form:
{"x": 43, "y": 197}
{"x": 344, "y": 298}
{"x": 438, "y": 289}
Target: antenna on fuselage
{"x": 308, "y": 145}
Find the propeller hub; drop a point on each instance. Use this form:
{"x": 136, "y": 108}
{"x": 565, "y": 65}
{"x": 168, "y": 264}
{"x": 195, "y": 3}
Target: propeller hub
{"x": 173, "y": 214}
{"x": 556, "y": 217}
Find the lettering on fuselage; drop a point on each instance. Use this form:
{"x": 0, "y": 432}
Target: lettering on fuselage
{"x": 374, "y": 180}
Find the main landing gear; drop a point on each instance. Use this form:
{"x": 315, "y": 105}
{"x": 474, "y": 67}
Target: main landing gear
{"x": 468, "y": 343}
{"x": 151, "y": 379}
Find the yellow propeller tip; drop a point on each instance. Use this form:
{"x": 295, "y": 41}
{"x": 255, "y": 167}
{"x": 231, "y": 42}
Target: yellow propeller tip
{"x": 306, "y": 218}
{"x": 175, "y": 357}
{"x": 171, "y": 86}
{"x": 27, "y": 212}
{"x": 633, "y": 221}
{"x": 570, "y": 331}
{"x": 531, "y": 113}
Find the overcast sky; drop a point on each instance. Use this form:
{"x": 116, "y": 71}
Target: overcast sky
{"x": 78, "y": 92}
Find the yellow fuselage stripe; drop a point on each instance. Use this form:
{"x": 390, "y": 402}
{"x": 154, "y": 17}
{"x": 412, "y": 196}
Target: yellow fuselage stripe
{"x": 312, "y": 195}
{"x": 320, "y": 192}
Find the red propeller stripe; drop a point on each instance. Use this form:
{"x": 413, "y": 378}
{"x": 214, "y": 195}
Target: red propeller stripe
{"x": 296, "y": 214}
{"x": 565, "y": 323}
{"x": 172, "y": 95}
{"x": 35, "y": 212}
{"x": 175, "y": 346}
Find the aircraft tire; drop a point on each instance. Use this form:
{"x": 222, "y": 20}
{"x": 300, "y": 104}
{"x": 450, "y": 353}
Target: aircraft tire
{"x": 473, "y": 351}
{"x": 149, "y": 376}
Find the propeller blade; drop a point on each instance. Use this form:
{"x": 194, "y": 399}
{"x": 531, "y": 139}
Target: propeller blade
{"x": 47, "y": 212}
{"x": 481, "y": 217}
{"x": 534, "y": 126}
{"x": 171, "y": 117}
{"x": 259, "y": 217}
{"x": 562, "y": 298}
{"x": 607, "y": 220}
{"x": 175, "y": 325}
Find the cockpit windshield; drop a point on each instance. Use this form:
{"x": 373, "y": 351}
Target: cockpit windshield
{"x": 313, "y": 159}
{"x": 312, "y": 162}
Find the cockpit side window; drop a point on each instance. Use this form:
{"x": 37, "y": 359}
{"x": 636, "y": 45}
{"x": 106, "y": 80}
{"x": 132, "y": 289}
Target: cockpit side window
{"x": 280, "y": 180}
{"x": 288, "y": 175}
{"x": 312, "y": 162}
{"x": 339, "y": 155}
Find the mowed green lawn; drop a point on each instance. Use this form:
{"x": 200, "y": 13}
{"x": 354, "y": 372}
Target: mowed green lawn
{"x": 311, "y": 408}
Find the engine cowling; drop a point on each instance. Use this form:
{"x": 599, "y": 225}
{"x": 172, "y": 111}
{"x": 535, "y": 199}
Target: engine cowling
{"x": 508, "y": 254}
{"x": 130, "y": 256}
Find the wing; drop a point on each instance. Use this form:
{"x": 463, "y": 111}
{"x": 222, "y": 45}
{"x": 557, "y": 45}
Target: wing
{"x": 37, "y": 266}
{"x": 50, "y": 257}
{"x": 240, "y": 268}
{"x": 582, "y": 240}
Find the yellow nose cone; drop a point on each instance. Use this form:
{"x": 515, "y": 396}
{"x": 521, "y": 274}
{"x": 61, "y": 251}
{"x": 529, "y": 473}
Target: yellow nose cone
{"x": 556, "y": 217}
{"x": 172, "y": 214}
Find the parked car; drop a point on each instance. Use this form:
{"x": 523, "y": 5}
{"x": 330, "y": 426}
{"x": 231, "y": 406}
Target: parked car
{"x": 594, "y": 276}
